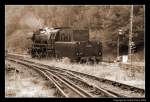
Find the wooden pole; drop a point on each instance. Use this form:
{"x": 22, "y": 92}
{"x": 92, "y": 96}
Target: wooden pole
{"x": 130, "y": 40}
{"x": 130, "y": 34}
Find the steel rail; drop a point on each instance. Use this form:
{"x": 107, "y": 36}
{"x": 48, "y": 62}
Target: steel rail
{"x": 72, "y": 86}
{"x": 43, "y": 73}
{"x": 96, "y": 88}
{"x": 106, "y": 81}
{"x": 106, "y": 92}
{"x": 79, "y": 90}
{"x": 53, "y": 81}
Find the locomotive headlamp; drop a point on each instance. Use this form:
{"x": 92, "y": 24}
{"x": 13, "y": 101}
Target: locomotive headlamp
{"x": 98, "y": 42}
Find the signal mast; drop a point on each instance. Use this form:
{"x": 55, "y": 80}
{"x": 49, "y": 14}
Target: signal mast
{"x": 130, "y": 34}
{"x": 131, "y": 43}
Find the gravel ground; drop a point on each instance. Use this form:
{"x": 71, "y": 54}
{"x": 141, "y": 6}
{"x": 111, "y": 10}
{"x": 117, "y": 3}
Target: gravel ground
{"x": 28, "y": 83}
{"x": 21, "y": 81}
{"x": 102, "y": 70}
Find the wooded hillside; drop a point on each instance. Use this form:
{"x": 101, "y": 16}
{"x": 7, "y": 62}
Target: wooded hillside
{"x": 102, "y": 21}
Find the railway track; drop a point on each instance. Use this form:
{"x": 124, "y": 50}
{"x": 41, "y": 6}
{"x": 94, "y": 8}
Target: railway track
{"x": 64, "y": 88}
{"x": 79, "y": 84}
{"x": 65, "y": 84}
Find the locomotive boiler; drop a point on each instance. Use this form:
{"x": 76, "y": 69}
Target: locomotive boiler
{"x": 65, "y": 42}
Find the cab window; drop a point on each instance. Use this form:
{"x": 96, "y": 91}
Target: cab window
{"x": 64, "y": 37}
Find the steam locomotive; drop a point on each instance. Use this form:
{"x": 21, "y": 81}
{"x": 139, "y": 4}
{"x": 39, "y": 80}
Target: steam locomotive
{"x": 65, "y": 42}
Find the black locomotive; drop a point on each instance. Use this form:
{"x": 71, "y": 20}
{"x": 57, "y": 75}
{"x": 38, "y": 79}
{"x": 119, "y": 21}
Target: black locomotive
{"x": 65, "y": 42}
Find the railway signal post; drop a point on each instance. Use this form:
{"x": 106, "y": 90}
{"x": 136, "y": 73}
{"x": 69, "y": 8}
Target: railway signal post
{"x": 131, "y": 42}
{"x": 118, "y": 42}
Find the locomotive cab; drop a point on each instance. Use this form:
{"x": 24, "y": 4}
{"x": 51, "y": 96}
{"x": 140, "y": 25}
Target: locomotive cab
{"x": 75, "y": 44}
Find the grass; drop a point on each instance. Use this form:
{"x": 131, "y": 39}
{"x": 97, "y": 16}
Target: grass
{"x": 26, "y": 85}
{"x": 10, "y": 93}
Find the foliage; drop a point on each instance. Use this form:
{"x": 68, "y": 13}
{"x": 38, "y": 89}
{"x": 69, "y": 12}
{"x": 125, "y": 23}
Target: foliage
{"x": 102, "y": 21}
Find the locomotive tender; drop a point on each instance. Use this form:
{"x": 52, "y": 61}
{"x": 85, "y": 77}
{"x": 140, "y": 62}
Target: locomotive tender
{"x": 65, "y": 42}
